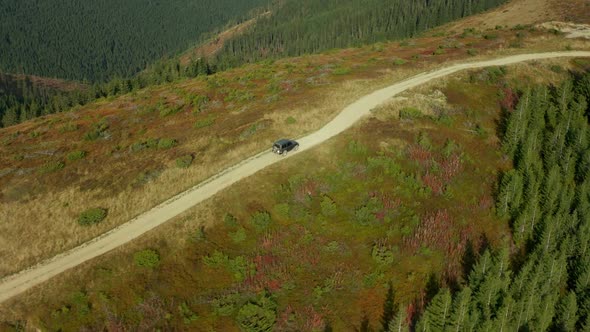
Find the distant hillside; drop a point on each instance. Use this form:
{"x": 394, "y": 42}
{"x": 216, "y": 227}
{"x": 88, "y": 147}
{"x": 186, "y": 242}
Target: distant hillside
{"x": 306, "y": 26}
{"x": 98, "y": 40}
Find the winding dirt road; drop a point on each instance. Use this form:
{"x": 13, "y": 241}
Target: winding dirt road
{"x": 20, "y": 282}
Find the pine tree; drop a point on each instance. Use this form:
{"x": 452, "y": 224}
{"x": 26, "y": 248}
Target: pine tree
{"x": 437, "y": 314}
{"x": 567, "y": 313}
{"x": 460, "y": 311}
{"x": 399, "y": 323}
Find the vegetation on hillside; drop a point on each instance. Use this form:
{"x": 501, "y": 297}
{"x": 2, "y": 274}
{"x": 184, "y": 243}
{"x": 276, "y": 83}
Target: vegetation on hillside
{"x": 320, "y": 248}
{"x": 540, "y": 281}
{"x": 114, "y": 57}
{"x": 302, "y": 27}
{"x": 99, "y": 40}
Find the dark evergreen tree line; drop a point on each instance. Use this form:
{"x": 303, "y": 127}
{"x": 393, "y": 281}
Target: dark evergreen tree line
{"x": 298, "y": 27}
{"x": 547, "y": 198}
{"x": 21, "y": 100}
{"x": 99, "y": 40}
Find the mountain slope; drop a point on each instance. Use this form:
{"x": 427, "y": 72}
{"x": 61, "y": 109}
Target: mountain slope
{"x": 98, "y": 40}
{"x": 176, "y": 205}
{"x": 301, "y": 27}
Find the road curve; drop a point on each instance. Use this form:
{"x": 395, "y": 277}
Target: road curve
{"x": 22, "y": 281}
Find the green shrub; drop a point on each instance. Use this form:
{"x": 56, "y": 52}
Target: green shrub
{"x": 199, "y": 103}
{"x": 188, "y": 316}
{"x": 290, "y": 120}
{"x": 167, "y": 143}
{"x": 328, "y": 207}
{"x": 184, "y": 161}
{"x": 203, "y": 123}
{"x": 282, "y": 209}
{"x": 239, "y": 266}
{"x": 490, "y": 36}
{"x": 258, "y": 316}
{"x": 68, "y": 127}
{"x": 76, "y": 155}
{"x": 364, "y": 216}
{"x": 356, "y": 148}
{"x": 51, "y": 166}
{"x": 229, "y": 220}
{"x": 34, "y": 134}
{"x": 438, "y": 51}
{"x": 167, "y": 111}
{"x": 341, "y": 71}
{"x": 382, "y": 255}
{"x": 92, "y": 216}
{"x": 424, "y": 141}
{"x": 80, "y": 303}
{"x": 239, "y": 235}
{"x": 410, "y": 113}
{"x": 399, "y": 62}
{"x": 147, "y": 258}
{"x": 97, "y": 130}
{"x": 449, "y": 148}
{"x": 260, "y": 220}
{"x": 225, "y": 305}
{"x": 472, "y": 52}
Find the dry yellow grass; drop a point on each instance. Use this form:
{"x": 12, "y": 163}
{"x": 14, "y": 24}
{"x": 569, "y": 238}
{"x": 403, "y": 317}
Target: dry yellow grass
{"x": 48, "y": 221}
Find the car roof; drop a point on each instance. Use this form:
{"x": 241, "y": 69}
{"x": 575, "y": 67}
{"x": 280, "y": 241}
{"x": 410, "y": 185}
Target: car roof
{"x": 283, "y": 141}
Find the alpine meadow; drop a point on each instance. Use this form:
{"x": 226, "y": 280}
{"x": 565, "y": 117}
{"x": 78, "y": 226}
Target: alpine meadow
{"x": 295, "y": 165}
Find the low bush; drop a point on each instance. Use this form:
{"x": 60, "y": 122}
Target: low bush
{"x": 438, "y": 51}
{"x": 409, "y": 113}
{"x": 341, "y": 71}
{"x": 92, "y": 216}
{"x": 203, "y": 123}
{"x": 167, "y": 111}
{"x": 399, "y": 62}
{"x": 76, "y": 155}
{"x": 239, "y": 235}
{"x": 229, "y": 220}
{"x": 258, "y": 316}
{"x": 98, "y": 129}
{"x": 167, "y": 143}
{"x": 68, "y": 127}
{"x": 290, "y": 120}
{"x": 184, "y": 161}
{"x": 328, "y": 207}
{"x": 147, "y": 258}
{"x": 260, "y": 220}
{"x": 51, "y": 166}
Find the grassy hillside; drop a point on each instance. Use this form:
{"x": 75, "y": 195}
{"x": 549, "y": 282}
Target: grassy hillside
{"x": 215, "y": 121}
{"x": 406, "y": 199}
{"x": 97, "y": 40}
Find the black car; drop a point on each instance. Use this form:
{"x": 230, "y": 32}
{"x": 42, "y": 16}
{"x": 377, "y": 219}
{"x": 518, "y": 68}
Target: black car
{"x": 283, "y": 146}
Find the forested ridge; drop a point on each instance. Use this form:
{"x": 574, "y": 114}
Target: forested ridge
{"x": 545, "y": 284}
{"x": 99, "y": 40}
{"x": 111, "y": 43}
{"x": 305, "y": 26}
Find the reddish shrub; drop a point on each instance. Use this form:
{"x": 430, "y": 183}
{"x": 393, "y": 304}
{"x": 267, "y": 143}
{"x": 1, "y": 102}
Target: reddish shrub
{"x": 450, "y": 167}
{"x": 434, "y": 182}
{"x": 435, "y": 231}
{"x": 421, "y": 155}
{"x": 510, "y": 99}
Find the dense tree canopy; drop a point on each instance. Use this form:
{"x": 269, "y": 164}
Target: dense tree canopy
{"x": 547, "y": 198}
{"x": 304, "y": 26}
{"x": 98, "y": 40}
